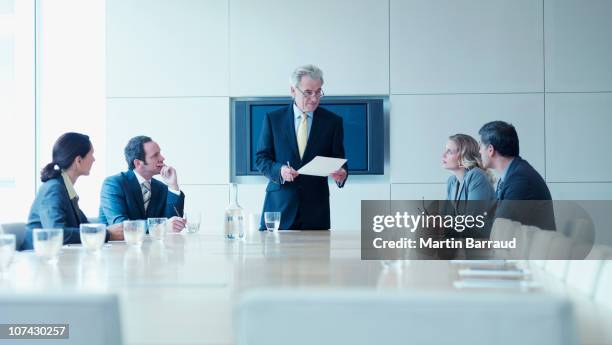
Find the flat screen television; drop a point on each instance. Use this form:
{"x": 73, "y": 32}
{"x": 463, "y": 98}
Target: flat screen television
{"x": 364, "y": 130}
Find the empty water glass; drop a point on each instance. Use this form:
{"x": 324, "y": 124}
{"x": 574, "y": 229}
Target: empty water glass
{"x": 133, "y": 232}
{"x": 92, "y": 236}
{"x": 157, "y": 227}
{"x": 7, "y": 251}
{"x": 193, "y": 221}
{"x": 272, "y": 220}
{"x": 48, "y": 243}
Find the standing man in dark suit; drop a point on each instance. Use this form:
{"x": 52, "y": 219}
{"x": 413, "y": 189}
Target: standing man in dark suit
{"x": 135, "y": 194}
{"x": 290, "y": 138}
{"x": 519, "y": 183}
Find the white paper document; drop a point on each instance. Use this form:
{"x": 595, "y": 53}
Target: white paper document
{"x": 322, "y": 166}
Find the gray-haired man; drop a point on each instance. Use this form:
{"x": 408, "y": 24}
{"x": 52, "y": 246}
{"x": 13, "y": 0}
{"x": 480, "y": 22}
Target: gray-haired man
{"x": 290, "y": 138}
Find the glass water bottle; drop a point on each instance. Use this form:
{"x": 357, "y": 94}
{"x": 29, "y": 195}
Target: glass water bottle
{"x": 234, "y": 216}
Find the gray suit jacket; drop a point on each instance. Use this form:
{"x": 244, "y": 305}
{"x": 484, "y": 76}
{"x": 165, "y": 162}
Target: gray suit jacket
{"x": 52, "y": 208}
{"x": 476, "y": 186}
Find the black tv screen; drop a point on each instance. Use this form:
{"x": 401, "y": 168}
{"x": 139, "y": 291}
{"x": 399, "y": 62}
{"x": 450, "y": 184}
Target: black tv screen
{"x": 363, "y": 120}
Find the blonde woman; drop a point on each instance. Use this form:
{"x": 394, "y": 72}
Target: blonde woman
{"x": 469, "y": 181}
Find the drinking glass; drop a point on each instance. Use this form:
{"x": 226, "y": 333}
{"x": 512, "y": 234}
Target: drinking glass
{"x": 272, "y": 220}
{"x": 193, "y": 221}
{"x": 92, "y": 236}
{"x": 157, "y": 227}
{"x": 48, "y": 243}
{"x": 7, "y": 251}
{"x": 133, "y": 232}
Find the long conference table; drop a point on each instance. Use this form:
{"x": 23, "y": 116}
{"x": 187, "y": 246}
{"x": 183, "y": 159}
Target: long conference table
{"x": 183, "y": 290}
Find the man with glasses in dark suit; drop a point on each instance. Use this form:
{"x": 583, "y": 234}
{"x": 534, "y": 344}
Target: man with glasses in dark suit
{"x": 290, "y": 138}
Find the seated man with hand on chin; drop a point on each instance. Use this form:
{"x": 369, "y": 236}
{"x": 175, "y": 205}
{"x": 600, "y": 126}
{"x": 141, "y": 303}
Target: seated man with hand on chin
{"x": 135, "y": 194}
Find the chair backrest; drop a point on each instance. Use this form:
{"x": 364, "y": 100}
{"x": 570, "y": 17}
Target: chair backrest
{"x": 92, "y": 318}
{"x": 541, "y": 243}
{"x": 524, "y": 238}
{"x": 603, "y": 292}
{"x": 18, "y": 229}
{"x": 360, "y": 317}
{"x": 558, "y": 255}
{"x": 504, "y": 230}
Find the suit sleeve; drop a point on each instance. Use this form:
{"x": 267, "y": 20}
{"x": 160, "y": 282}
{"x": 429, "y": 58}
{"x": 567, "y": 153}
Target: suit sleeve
{"x": 265, "y": 156}
{"x": 112, "y": 202}
{"x": 338, "y": 148}
{"x": 174, "y": 201}
{"x": 53, "y": 213}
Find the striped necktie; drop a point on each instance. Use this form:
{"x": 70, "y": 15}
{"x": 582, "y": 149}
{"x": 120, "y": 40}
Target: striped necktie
{"x": 302, "y": 135}
{"x": 146, "y": 193}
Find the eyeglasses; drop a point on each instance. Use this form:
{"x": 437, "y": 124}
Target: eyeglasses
{"x": 308, "y": 93}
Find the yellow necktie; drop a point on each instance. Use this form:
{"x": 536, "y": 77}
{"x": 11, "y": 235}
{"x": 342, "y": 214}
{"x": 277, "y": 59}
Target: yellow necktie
{"x": 302, "y": 137}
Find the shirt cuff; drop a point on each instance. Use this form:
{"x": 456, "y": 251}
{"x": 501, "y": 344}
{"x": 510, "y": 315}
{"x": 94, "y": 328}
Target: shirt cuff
{"x": 177, "y": 192}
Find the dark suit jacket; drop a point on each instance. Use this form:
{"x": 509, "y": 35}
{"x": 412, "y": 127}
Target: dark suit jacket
{"x": 277, "y": 146}
{"x": 522, "y": 182}
{"x": 121, "y": 199}
{"x": 52, "y": 208}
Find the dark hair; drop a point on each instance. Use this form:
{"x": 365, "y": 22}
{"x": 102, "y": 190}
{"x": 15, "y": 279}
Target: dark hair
{"x": 66, "y": 148}
{"x": 502, "y": 136}
{"x": 135, "y": 150}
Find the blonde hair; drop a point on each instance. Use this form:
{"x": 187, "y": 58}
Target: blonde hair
{"x": 469, "y": 153}
{"x": 468, "y": 149}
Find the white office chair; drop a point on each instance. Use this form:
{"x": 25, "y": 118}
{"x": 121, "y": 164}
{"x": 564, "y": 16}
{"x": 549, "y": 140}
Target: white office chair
{"x": 18, "y": 229}
{"x": 360, "y": 317}
{"x": 603, "y": 292}
{"x": 582, "y": 274}
{"x": 93, "y": 319}
{"x": 558, "y": 256}
{"x": 524, "y": 239}
{"x": 504, "y": 230}
{"x": 540, "y": 245}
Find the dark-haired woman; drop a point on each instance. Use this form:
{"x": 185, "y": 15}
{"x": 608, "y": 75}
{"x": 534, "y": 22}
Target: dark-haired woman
{"x": 56, "y": 203}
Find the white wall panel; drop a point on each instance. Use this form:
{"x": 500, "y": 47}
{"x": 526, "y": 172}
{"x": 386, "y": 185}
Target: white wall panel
{"x": 211, "y": 201}
{"x": 431, "y": 191}
{"x": 193, "y": 134}
{"x": 421, "y": 125}
{"x": 577, "y": 42}
{"x": 348, "y": 39}
{"x": 251, "y": 197}
{"x": 581, "y": 191}
{"x": 167, "y": 48}
{"x": 448, "y": 46}
{"x": 578, "y": 131}
{"x": 345, "y": 203}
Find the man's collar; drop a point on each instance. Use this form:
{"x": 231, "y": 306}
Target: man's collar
{"x": 503, "y": 175}
{"x": 140, "y": 178}
{"x": 69, "y": 185}
{"x": 297, "y": 112}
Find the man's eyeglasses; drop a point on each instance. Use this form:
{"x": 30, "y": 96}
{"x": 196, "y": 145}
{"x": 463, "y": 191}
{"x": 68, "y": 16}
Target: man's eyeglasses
{"x": 309, "y": 93}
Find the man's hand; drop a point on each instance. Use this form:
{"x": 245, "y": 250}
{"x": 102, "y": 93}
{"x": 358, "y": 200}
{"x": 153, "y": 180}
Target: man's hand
{"x": 177, "y": 223}
{"x": 116, "y": 232}
{"x": 338, "y": 175}
{"x": 288, "y": 173}
{"x": 168, "y": 173}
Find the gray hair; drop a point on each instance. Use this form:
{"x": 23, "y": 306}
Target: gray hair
{"x": 311, "y": 71}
